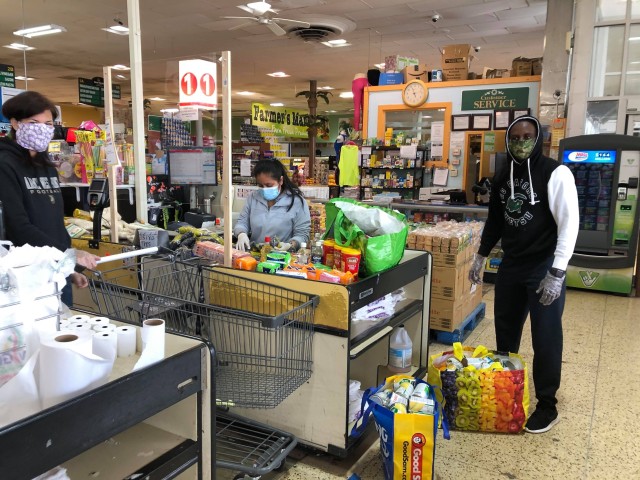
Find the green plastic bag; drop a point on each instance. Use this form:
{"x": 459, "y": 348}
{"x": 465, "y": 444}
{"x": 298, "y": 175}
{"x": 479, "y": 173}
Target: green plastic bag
{"x": 379, "y": 233}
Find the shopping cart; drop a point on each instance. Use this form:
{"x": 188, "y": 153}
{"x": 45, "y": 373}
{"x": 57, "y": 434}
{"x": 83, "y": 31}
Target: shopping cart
{"x": 261, "y": 336}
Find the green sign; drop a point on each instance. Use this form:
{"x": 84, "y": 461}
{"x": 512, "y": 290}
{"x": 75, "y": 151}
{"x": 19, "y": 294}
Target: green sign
{"x": 91, "y": 92}
{"x": 489, "y": 142}
{"x": 7, "y": 76}
{"x": 617, "y": 280}
{"x": 495, "y": 98}
{"x": 285, "y": 122}
{"x": 154, "y": 123}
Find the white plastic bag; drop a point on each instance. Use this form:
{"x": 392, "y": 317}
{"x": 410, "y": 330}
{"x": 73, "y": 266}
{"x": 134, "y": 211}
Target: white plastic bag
{"x": 372, "y": 221}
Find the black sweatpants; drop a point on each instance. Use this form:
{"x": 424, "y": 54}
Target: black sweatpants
{"x": 515, "y": 297}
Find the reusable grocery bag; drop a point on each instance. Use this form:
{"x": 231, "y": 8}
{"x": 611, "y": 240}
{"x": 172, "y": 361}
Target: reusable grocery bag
{"x": 407, "y": 440}
{"x": 491, "y": 399}
{"x": 379, "y": 233}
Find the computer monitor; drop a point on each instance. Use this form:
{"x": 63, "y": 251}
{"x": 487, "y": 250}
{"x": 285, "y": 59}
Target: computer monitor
{"x": 192, "y": 166}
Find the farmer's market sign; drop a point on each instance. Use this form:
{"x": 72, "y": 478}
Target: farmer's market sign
{"x": 284, "y": 122}
{"x": 495, "y": 99}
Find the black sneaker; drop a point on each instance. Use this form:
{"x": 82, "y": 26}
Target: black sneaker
{"x": 542, "y": 420}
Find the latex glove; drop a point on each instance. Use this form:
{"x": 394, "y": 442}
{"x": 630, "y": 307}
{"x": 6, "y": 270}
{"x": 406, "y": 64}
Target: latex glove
{"x": 551, "y": 288}
{"x": 86, "y": 259}
{"x": 243, "y": 243}
{"x": 477, "y": 269}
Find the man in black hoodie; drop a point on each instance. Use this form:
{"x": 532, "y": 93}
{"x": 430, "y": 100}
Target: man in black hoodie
{"x": 534, "y": 211}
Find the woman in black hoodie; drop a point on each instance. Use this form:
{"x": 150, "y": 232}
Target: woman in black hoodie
{"x": 29, "y": 187}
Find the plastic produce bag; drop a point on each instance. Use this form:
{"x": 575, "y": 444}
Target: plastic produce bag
{"x": 379, "y": 233}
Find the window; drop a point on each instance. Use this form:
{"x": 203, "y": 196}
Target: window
{"x": 602, "y": 117}
{"x": 632, "y": 78}
{"x": 606, "y": 70}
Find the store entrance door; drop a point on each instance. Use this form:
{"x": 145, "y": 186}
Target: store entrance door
{"x": 473, "y": 154}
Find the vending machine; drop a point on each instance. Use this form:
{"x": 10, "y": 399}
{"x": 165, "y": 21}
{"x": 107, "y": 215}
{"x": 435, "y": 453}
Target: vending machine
{"x": 606, "y": 169}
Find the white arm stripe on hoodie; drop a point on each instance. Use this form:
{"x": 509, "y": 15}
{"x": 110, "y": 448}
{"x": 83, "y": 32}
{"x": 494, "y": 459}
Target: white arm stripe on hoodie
{"x": 563, "y": 202}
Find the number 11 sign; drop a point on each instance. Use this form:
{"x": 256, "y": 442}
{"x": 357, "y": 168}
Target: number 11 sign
{"x": 198, "y": 86}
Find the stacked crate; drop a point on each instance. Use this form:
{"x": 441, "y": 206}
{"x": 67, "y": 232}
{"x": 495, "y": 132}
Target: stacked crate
{"x": 452, "y": 246}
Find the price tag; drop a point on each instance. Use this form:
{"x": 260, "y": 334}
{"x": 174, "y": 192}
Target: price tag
{"x": 148, "y": 238}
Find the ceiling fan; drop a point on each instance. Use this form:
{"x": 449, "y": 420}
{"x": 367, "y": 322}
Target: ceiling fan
{"x": 261, "y": 14}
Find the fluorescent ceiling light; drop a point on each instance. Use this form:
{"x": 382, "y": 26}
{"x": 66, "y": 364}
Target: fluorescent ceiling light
{"x": 379, "y": 65}
{"x": 336, "y": 43}
{"x": 170, "y": 110}
{"x": 259, "y": 7}
{"x": 157, "y": 99}
{"x": 330, "y": 111}
{"x": 20, "y": 46}
{"x": 278, "y": 104}
{"x": 634, "y": 39}
{"x": 346, "y": 94}
{"x": 120, "y": 67}
{"x": 20, "y": 77}
{"x": 117, "y": 29}
{"x": 326, "y": 87}
{"x": 38, "y": 31}
{"x": 246, "y": 93}
{"x": 122, "y": 77}
{"x": 426, "y": 116}
{"x": 278, "y": 74}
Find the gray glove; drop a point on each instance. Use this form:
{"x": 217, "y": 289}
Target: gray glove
{"x": 551, "y": 288}
{"x": 477, "y": 269}
{"x": 243, "y": 242}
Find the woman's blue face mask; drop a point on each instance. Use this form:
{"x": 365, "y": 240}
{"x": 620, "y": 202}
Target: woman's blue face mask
{"x": 270, "y": 193}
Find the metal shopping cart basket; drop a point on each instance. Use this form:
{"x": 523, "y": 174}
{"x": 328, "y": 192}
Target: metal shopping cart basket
{"x": 261, "y": 334}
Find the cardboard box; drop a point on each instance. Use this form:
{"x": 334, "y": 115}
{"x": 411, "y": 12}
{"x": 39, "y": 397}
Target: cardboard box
{"x": 447, "y": 282}
{"x": 415, "y": 72}
{"x": 446, "y": 314}
{"x": 521, "y": 67}
{"x": 450, "y": 259}
{"x": 455, "y": 61}
{"x": 395, "y": 63}
{"x": 536, "y": 66}
{"x": 496, "y": 73}
{"x": 391, "y": 78}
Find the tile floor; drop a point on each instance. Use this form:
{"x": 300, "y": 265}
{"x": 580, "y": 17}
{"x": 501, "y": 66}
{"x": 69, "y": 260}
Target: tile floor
{"x": 599, "y": 404}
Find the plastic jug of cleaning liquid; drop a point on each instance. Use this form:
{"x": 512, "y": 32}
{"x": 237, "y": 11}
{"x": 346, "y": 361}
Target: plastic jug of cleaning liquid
{"x": 400, "y": 351}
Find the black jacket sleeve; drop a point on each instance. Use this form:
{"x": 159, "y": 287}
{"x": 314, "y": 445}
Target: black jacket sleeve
{"x": 19, "y": 228}
{"x": 494, "y": 225}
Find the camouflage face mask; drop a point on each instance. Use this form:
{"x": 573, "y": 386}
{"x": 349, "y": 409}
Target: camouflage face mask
{"x": 521, "y": 149}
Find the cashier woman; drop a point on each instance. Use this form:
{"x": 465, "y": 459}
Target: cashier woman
{"x": 276, "y": 209}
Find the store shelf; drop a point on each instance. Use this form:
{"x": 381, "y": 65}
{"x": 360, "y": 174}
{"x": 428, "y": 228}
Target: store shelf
{"x": 391, "y": 168}
{"x": 121, "y": 455}
{"x": 363, "y": 339}
{"x": 56, "y": 435}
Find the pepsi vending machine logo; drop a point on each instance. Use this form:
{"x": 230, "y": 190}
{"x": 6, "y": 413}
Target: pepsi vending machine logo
{"x": 578, "y": 156}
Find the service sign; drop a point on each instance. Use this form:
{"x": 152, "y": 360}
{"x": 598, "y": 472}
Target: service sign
{"x": 495, "y": 99}
{"x": 7, "y": 76}
{"x": 198, "y": 87}
{"x": 285, "y": 122}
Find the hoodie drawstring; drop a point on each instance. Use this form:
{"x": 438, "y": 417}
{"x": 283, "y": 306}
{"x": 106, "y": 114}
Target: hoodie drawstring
{"x": 531, "y": 200}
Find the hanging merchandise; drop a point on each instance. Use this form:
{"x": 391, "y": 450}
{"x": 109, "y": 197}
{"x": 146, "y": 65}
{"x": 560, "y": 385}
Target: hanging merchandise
{"x": 348, "y": 165}
{"x": 358, "y": 85}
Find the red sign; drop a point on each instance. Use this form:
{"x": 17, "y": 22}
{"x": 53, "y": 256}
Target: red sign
{"x": 207, "y": 84}
{"x": 198, "y": 84}
{"x": 189, "y": 84}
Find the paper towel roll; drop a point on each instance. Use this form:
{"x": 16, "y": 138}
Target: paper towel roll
{"x": 110, "y": 327}
{"x": 152, "y": 342}
{"x": 99, "y": 321}
{"x": 105, "y": 345}
{"x": 78, "y": 327}
{"x": 78, "y": 318}
{"x": 67, "y": 368}
{"x": 126, "y": 341}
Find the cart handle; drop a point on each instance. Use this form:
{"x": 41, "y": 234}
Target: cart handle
{"x": 125, "y": 255}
